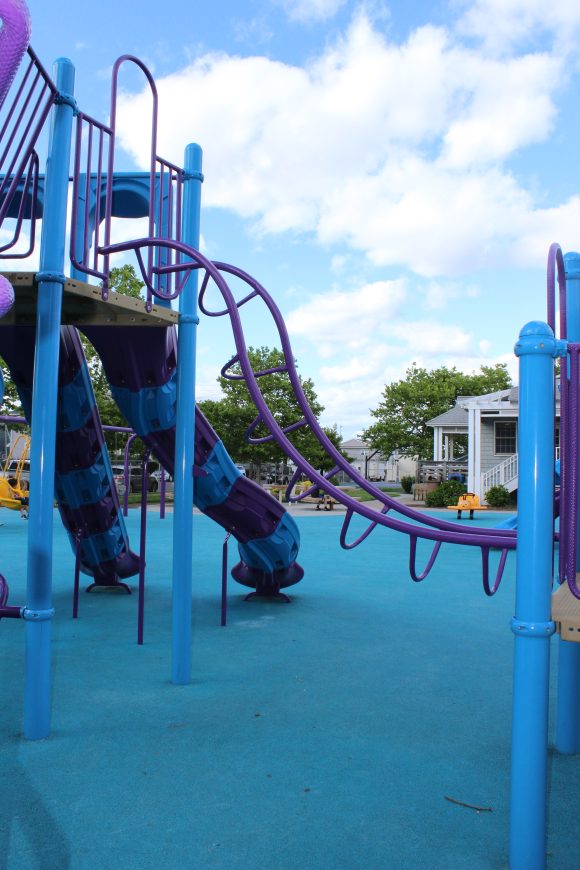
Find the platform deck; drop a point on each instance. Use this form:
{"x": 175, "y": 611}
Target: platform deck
{"x": 82, "y": 305}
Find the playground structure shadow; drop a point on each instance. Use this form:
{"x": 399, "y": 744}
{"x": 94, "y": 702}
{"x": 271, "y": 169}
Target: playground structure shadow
{"x": 327, "y": 733}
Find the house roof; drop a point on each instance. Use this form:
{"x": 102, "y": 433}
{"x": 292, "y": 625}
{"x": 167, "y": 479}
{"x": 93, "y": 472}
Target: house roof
{"x": 455, "y": 416}
{"x": 501, "y": 398}
{"x": 354, "y": 443}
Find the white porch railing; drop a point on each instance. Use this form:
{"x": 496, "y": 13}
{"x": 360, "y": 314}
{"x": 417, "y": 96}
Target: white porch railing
{"x": 504, "y": 474}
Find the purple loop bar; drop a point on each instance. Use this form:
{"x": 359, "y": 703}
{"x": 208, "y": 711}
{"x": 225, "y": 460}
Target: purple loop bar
{"x": 489, "y": 591}
{"x": 267, "y": 439}
{"x": 229, "y": 376}
{"x": 346, "y": 525}
{"x": 207, "y": 311}
{"x": 417, "y": 578}
{"x": 328, "y": 475}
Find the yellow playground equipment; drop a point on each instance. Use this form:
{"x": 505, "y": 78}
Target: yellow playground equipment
{"x": 13, "y": 487}
{"x": 467, "y": 502}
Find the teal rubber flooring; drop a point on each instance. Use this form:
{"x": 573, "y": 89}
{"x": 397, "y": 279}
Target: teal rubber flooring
{"x": 325, "y": 734}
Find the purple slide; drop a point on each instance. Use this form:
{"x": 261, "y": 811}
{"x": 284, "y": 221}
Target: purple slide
{"x": 86, "y": 494}
{"x": 140, "y": 364}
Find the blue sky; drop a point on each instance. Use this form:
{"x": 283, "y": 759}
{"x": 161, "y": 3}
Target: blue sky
{"x": 393, "y": 173}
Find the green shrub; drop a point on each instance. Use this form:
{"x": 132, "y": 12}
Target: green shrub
{"x": 498, "y": 497}
{"x": 407, "y": 483}
{"x": 446, "y": 494}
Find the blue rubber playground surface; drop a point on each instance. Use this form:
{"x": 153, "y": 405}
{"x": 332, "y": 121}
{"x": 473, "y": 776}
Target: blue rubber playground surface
{"x": 327, "y": 733}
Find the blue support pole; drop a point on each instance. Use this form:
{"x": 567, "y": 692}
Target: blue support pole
{"x": 532, "y": 624}
{"x": 185, "y": 431}
{"x": 38, "y": 612}
{"x": 568, "y": 704}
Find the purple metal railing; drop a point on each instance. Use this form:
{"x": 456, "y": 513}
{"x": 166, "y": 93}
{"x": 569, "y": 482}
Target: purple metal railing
{"x": 22, "y": 118}
{"x": 94, "y": 166}
{"x": 93, "y": 140}
{"x": 168, "y": 225}
{"x": 104, "y": 250}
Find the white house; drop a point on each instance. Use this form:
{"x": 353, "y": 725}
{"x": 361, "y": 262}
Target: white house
{"x": 491, "y": 425}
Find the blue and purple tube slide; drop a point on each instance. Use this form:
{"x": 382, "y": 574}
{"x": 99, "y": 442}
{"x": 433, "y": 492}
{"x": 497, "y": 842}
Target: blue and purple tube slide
{"x": 84, "y": 488}
{"x": 140, "y": 364}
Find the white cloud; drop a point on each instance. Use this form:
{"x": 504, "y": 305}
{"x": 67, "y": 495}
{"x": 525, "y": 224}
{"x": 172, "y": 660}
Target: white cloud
{"x": 509, "y": 106}
{"x": 503, "y": 24}
{"x": 439, "y": 294}
{"x": 368, "y": 337}
{"x": 312, "y": 10}
{"x": 358, "y": 368}
{"x": 347, "y": 317}
{"x": 397, "y": 150}
{"x": 433, "y": 339}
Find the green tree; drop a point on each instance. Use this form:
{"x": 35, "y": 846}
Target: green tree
{"x": 124, "y": 279}
{"x": 11, "y": 402}
{"x": 408, "y": 404}
{"x": 234, "y": 413}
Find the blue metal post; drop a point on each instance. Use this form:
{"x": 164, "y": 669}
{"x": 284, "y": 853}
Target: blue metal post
{"x": 185, "y": 431}
{"x": 531, "y": 624}
{"x": 568, "y": 706}
{"x": 38, "y": 612}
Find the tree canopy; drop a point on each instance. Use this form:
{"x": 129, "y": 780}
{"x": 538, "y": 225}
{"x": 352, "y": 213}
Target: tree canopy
{"x": 234, "y": 413}
{"x": 408, "y": 404}
{"x": 124, "y": 279}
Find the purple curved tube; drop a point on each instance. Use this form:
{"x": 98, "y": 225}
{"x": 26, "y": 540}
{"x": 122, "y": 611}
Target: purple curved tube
{"x": 5, "y": 610}
{"x": 421, "y": 525}
{"x": 14, "y": 39}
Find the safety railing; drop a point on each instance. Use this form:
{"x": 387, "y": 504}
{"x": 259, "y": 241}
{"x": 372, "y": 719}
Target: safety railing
{"x": 93, "y": 201}
{"x": 22, "y": 119}
{"x": 500, "y": 475}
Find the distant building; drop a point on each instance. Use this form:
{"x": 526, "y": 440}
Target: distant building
{"x": 373, "y": 466}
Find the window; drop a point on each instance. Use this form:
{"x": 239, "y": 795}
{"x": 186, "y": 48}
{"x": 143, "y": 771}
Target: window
{"x": 505, "y": 437}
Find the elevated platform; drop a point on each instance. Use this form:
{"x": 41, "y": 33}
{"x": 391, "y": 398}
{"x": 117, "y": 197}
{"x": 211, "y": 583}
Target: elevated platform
{"x": 566, "y": 613}
{"x": 82, "y": 306}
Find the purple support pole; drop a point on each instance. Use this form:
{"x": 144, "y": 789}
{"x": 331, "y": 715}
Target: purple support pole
{"x": 77, "y": 577}
{"x": 568, "y": 705}
{"x": 142, "y": 549}
{"x": 126, "y": 473}
{"x": 162, "y": 489}
{"x": 225, "y": 578}
{"x": 532, "y": 624}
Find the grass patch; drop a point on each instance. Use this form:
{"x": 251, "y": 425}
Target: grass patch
{"x": 152, "y": 498}
{"x": 362, "y": 495}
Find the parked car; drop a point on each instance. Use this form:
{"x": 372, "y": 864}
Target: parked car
{"x": 156, "y": 475}
{"x": 12, "y": 470}
{"x": 135, "y": 479}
